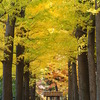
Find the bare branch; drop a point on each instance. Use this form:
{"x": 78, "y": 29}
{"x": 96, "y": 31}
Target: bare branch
{"x": 33, "y": 59}
{"x": 2, "y": 14}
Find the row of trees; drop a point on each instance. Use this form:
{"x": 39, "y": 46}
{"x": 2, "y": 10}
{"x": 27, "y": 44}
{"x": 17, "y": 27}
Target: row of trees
{"x": 50, "y": 31}
{"x": 88, "y": 62}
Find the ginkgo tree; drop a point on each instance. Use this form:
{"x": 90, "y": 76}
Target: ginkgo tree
{"x": 47, "y": 33}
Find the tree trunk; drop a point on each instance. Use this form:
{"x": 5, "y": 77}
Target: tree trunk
{"x": 20, "y": 63}
{"x": 98, "y": 53}
{"x": 33, "y": 90}
{"x": 70, "y": 88}
{"x": 8, "y": 57}
{"x": 56, "y": 87}
{"x": 19, "y": 72}
{"x": 26, "y": 81}
{"x": 83, "y": 71}
{"x": 23, "y": 90}
{"x": 83, "y": 77}
{"x": 74, "y": 80}
{"x": 91, "y": 63}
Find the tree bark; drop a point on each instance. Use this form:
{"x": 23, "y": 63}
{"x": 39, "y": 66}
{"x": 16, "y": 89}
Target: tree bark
{"x": 20, "y": 63}
{"x": 19, "y": 72}
{"x": 83, "y": 77}
{"x": 23, "y": 90}
{"x": 74, "y": 80}
{"x": 70, "y": 88}
{"x": 83, "y": 72}
{"x": 98, "y": 52}
{"x": 91, "y": 63}
{"x": 33, "y": 89}
{"x": 26, "y": 81}
{"x": 8, "y": 57}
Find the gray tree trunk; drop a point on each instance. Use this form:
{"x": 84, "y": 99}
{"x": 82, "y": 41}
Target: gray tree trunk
{"x": 74, "y": 80}
{"x": 83, "y": 77}
{"x": 83, "y": 72}
{"x": 23, "y": 90}
{"x": 70, "y": 88}
{"x": 20, "y": 63}
{"x": 26, "y": 81}
{"x": 8, "y": 56}
{"x": 91, "y": 63}
{"x": 33, "y": 89}
{"x": 98, "y": 53}
{"x": 19, "y": 72}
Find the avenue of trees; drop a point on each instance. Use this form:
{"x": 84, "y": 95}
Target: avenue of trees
{"x": 55, "y": 41}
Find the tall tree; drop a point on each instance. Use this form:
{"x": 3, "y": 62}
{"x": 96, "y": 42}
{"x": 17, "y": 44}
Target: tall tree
{"x": 33, "y": 89}
{"x": 20, "y": 63}
{"x": 91, "y": 61}
{"x": 98, "y": 51}
{"x": 8, "y": 57}
{"x": 19, "y": 72}
{"x": 26, "y": 81}
{"x": 83, "y": 73}
{"x": 70, "y": 88}
{"x": 74, "y": 80}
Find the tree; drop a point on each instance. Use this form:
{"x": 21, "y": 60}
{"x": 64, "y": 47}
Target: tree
{"x": 70, "y": 86}
{"x": 20, "y": 64}
{"x": 74, "y": 80}
{"x": 8, "y": 57}
{"x": 98, "y": 51}
{"x": 83, "y": 71}
{"x": 19, "y": 72}
{"x": 91, "y": 60}
{"x": 47, "y": 32}
{"x": 33, "y": 88}
{"x": 26, "y": 81}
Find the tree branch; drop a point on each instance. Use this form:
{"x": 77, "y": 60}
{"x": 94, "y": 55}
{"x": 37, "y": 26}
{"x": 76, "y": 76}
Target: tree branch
{"x": 4, "y": 22}
{"x": 2, "y": 14}
{"x": 33, "y": 59}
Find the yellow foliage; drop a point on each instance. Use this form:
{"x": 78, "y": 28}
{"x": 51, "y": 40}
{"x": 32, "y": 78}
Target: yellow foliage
{"x": 1, "y": 71}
